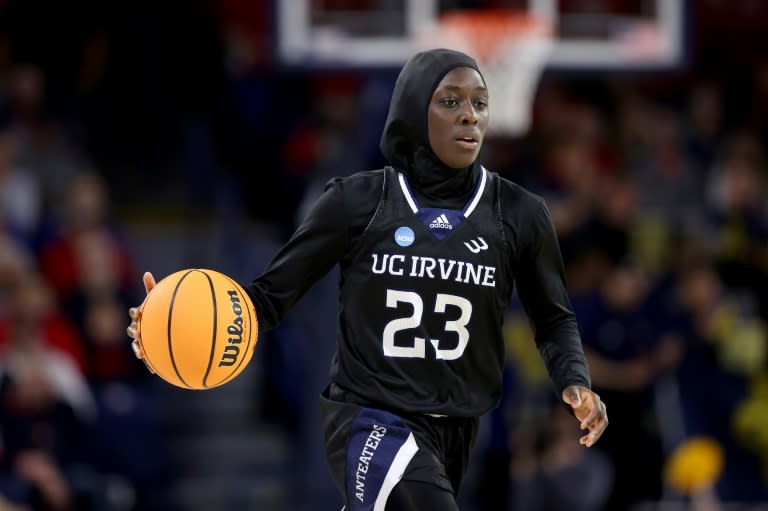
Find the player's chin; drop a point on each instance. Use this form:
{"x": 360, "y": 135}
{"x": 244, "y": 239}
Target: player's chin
{"x": 462, "y": 160}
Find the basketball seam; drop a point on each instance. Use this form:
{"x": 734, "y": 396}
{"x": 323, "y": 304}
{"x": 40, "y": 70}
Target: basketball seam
{"x": 213, "y": 340}
{"x": 170, "y": 317}
{"x": 235, "y": 372}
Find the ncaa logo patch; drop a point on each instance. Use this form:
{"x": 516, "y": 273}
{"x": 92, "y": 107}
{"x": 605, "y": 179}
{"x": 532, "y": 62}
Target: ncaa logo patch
{"x": 404, "y": 236}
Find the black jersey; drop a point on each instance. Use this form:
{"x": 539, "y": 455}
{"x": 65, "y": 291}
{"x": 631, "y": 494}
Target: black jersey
{"x": 375, "y": 229}
{"x": 423, "y": 293}
{"x": 346, "y": 218}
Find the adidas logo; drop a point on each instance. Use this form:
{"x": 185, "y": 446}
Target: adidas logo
{"x": 441, "y": 222}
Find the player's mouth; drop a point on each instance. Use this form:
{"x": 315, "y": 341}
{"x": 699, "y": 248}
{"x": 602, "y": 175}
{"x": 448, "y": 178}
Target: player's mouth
{"x": 470, "y": 143}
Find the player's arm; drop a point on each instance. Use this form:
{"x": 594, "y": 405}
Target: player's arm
{"x": 322, "y": 239}
{"x": 543, "y": 292}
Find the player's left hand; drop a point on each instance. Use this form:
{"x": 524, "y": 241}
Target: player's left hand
{"x": 589, "y": 409}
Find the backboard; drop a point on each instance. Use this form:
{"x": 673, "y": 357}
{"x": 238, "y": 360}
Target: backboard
{"x": 587, "y": 34}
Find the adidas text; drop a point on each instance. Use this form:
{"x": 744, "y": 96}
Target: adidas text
{"x": 441, "y": 222}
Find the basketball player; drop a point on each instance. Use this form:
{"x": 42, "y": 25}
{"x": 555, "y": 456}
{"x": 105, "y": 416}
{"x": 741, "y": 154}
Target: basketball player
{"x": 429, "y": 249}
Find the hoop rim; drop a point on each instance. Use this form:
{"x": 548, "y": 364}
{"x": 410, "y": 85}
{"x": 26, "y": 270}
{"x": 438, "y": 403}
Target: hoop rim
{"x": 514, "y": 21}
{"x": 483, "y": 32}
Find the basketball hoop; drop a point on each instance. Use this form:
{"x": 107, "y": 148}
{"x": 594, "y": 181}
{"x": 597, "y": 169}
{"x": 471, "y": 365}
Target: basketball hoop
{"x": 511, "y": 49}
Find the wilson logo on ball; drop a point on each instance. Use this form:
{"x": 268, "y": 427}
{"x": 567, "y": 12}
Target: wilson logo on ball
{"x": 235, "y": 331}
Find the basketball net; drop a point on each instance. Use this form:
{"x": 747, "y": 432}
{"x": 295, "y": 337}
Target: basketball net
{"x": 511, "y": 49}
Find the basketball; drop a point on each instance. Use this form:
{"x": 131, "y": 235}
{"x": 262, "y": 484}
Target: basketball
{"x": 197, "y": 329}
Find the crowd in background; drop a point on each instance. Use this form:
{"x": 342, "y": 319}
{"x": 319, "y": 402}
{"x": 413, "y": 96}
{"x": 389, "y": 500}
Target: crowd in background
{"x": 657, "y": 184}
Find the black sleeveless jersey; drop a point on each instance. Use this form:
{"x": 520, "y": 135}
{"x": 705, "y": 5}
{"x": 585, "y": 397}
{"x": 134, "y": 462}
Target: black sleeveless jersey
{"x": 423, "y": 293}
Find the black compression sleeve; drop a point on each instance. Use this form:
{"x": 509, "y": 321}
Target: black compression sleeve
{"x": 321, "y": 240}
{"x": 542, "y": 291}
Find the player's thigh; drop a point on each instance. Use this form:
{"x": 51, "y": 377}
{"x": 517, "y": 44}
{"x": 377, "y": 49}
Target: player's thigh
{"x": 418, "y": 496}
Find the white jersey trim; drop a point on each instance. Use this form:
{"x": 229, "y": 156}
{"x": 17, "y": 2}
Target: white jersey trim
{"x": 469, "y": 209}
{"x": 407, "y": 193}
{"x": 396, "y": 470}
{"x": 478, "y": 194}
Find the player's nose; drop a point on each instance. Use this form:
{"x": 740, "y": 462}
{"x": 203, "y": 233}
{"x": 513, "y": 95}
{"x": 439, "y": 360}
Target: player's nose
{"x": 467, "y": 113}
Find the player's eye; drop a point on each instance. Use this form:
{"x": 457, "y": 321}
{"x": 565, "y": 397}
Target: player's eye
{"x": 481, "y": 104}
{"x": 450, "y": 102}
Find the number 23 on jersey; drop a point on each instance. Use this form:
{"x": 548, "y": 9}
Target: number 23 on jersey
{"x": 443, "y": 304}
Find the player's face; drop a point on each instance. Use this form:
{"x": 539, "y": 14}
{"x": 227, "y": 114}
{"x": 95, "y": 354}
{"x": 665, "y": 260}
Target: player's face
{"x": 458, "y": 117}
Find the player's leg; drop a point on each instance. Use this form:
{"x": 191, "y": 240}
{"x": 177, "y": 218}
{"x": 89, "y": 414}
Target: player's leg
{"x": 369, "y": 450}
{"x": 418, "y": 496}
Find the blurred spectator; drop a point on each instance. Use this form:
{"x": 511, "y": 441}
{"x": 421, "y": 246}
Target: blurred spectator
{"x": 739, "y": 217}
{"x": 552, "y": 471}
{"x": 668, "y": 183}
{"x": 615, "y": 221}
{"x": 87, "y": 256}
{"x": 33, "y": 314}
{"x": 15, "y": 261}
{"x": 569, "y": 185}
{"x": 109, "y": 358}
{"x": 45, "y": 360}
{"x": 26, "y": 99}
{"x": 546, "y": 469}
{"x": 46, "y": 407}
{"x": 757, "y": 116}
{"x": 628, "y": 348}
{"x": 330, "y": 147}
{"x": 40, "y": 146}
{"x": 704, "y": 125}
{"x": 726, "y": 349}
{"x": 20, "y": 204}
{"x": 53, "y": 160}
{"x": 91, "y": 269}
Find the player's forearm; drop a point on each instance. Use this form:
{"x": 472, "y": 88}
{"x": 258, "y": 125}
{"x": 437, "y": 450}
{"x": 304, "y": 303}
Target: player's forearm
{"x": 317, "y": 245}
{"x": 560, "y": 348}
{"x": 298, "y": 265}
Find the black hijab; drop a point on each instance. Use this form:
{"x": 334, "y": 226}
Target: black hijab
{"x": 405, "y": 140}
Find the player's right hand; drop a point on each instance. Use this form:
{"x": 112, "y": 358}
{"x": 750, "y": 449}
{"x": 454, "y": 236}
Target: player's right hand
{"x": 589, "y": 409}
{"x": 134, "y": 313}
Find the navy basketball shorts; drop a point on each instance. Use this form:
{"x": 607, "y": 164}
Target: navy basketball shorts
{"x": 370, "y": 450}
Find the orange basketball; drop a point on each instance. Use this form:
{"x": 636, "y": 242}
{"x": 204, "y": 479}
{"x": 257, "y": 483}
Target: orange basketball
{"x": 197, "y": 329}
